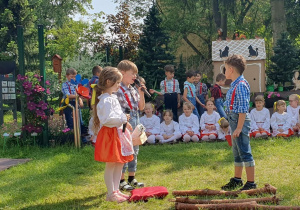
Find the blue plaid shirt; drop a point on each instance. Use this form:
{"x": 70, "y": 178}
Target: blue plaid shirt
{"x": 170, "y": 86}
{"x": 242, "y": 96}
{"x": 66, "y": 87}
{"x": 190, "y": 87}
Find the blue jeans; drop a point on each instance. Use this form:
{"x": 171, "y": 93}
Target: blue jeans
{"x": 241, "y": 145}
{"x": 220, "y": 107}
{"x": 194, "y": 102}
{"x": 132, "y": 165}
{"x": 199, "y": 107}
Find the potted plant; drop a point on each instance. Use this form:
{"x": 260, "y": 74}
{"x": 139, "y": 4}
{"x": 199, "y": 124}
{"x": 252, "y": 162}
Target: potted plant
{"x": 280, "y": 87}
{"x": 270, "y": 84}
{"x": 271, "y": 98}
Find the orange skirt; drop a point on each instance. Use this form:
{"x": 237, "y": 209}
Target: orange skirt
{"x": 108, "y": 147}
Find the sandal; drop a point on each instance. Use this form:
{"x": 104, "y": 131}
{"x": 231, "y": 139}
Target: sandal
{"x": 115, "y": 197}
{"x": 125, "y": 186}
{"x": 123, "y": 195}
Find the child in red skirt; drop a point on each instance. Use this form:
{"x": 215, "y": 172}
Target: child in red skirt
{"x": 113, "y": 146}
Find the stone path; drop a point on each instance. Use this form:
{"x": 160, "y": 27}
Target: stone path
{"x": 6, "y": 163}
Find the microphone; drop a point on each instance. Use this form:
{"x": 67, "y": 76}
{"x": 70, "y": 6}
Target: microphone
{"x": 137, "y": 82}
{"x": 127, "y": 111}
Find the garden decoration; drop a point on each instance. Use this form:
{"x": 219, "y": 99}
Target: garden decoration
{"x": 296, "y": 81}
{"x": 65, "y": 103}
{"x": 5, "y": 136}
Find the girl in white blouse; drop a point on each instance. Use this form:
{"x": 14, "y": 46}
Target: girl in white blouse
{"x": 209, "y": 122}
{"x": 281, "y": 120}
{"x": 293, "y": 111}
{"x": 224, "y": 130}
{"x": 151, "y": 123}
{"x": 189, "y": 124}
{"x": 169, "y": 129}
{"x": 260, "y": 119}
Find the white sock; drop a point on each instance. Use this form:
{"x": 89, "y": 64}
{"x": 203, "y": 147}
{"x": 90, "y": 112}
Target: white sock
{"x": 117, "y": 175}
{"x": 108, "y": 177}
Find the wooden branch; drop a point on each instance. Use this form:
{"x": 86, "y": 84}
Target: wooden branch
{"x": 273, "y": 199}
{"x": 269, "y": 189}
{"x": 193, "y": 47}
{"x": 240, "y": 206}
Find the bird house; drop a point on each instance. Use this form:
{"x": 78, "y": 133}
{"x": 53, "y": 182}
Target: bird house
{"x": 56, "y": 62}
{"x": 253, "y": 51}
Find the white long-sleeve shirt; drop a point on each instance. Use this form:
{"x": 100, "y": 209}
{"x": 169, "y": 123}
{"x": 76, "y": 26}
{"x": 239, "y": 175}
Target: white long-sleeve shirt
{"x": 209, "y": 119}
{"x": 260, "y": 119}
{"x": 109, "y": 111}
{"x": 281, "y": 121}
{"x": 190, "y": 123}
{"x": 171, "y": 129}
{"x": 294, "y": 113}
{"x": 152, "y": 124}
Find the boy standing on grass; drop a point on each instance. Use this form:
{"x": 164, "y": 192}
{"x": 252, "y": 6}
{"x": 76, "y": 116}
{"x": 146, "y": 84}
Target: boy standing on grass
{"x": 131, "y": 99}
{"x": 189, "y": 93}
{"x": 216, "y": 93}
{"x": 237, "y": 106}
{"x": 68, "y": 89}
{"x": 169, "y": 88}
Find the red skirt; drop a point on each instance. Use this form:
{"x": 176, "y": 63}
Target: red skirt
{"x": 108, "y": 147}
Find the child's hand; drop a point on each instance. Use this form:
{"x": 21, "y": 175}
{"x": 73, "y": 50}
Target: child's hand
{"x": 260, "y": 129}
{"x": 178, "y": 105}
{"x": 298, "y": 125}
{"x": 207, "y": 127}
{"x": 213, "y": 127}
{"x": 203, "y": 105}
{"x": 151, "y": 91}
{"x": 148, "y": 133}
{"x": 128, "y": 117}
{"x": 280, "y": 130}
{"x": 140, "y": 89}
{"x": 236, "y": 133}
{"x": 128, "y": 126}
{"x": 165, "y": 136}
{"x": 80, "y": 103}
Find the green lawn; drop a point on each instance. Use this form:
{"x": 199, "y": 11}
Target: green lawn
{"x": 64, "y": 178}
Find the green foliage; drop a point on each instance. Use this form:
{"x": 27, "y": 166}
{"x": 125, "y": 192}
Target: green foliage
{"x": 292, "y": 8}
{"x": 154, "y": 51}
{"x": 285, "y": 60}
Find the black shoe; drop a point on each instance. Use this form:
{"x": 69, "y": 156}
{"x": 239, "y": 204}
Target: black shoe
{"x": 248, "y": 186}
{"x": 233, "y": 183}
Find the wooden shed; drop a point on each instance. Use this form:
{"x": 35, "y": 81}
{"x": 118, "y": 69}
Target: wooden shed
{"x": 254, "y": 52}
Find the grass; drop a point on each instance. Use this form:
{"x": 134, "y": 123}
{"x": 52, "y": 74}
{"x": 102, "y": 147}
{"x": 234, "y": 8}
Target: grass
{"x": 66, "y": 178}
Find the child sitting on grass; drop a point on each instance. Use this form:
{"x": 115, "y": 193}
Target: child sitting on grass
{"x": 169, "y": 129}
{"x": 281, "y": 121}
{"x": 189, "y": 123}
{"x": 224, "y": 129}
{"x": 293, "y": 111}
{"x": 151, "y": 123}
{"x": 260, "y": 119}
{"x": 209, "y": 122}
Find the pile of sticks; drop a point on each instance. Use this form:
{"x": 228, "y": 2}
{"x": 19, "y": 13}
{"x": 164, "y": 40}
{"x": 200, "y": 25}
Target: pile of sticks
{"x": 249, "y": 203}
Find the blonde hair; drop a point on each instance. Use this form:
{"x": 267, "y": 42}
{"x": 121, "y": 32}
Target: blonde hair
{"x": 71, "y": 71}
{"x": 151, "y": 105}
{"x": 189, "y": 105}
{"x": 295, "y": 97}
{"x": 127, "y": 65}
{"x": 211, "y": 100}
{"x": 108, "y": 73}
{"x": 278, "y": 103}
{"x": 259, "y": 98}
{"x": 223, "y": 123}
{"x": 168, "y": 111}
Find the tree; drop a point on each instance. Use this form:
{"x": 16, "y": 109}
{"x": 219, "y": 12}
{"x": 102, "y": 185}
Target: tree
{"x": 278, "y": 18}
{"x": 154, "y": 52}
{"x": 292, "y": 8}
{"x": 285, "y": 60}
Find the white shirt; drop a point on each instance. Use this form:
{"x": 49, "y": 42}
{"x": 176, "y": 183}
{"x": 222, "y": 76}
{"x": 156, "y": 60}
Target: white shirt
{"x": 91, "y": 130}
{"x": 152, "y": 124}
{"x": 260, "y": 119}
{"x": 294, "y": 113}
{"x": 109, "y": 111}
{"x": 221, "y": 134}
{"x": 209, "y": 119}
{"x": 281, "y": 121}
{"x": 171, "y": 129}
{"x": 190, "y": 123}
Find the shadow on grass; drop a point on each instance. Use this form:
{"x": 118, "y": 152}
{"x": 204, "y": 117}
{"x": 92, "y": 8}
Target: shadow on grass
{"x": 71, "y": 204}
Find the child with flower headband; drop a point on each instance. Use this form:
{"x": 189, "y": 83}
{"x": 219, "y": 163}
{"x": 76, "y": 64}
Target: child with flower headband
{"x": 151, "y": 123}
{"x": 293, "y": 111}
{"x": 281, "y": 121}
{"x": 209, "y": 122}
{"x": 224, "y": 129}
{"x": 260, "y": 119}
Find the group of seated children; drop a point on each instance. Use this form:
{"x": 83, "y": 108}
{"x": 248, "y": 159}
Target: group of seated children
{"x": 212, "y": 126}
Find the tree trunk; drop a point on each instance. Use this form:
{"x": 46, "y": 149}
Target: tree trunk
{"x": 207, "y": 192}
{"x": 278, "y": 19}
{"x": 219, "y": 201}
{"x": 216, "y": 13}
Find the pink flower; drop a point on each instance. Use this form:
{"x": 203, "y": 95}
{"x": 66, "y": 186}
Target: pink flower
{"x": 31, "y": 106}
{"x": 20, "y": 77}
{"x": 39, "y": 88}
{"x": 28, "y": 92}
{"x": 28, "y": 128}
{"x": 48, "y": 91}
{"x": 38, "y": 129}
{"x": 36, "y": 76}
{"x": 66, "y": 130}
{"x": 40, "y": 113}
{"x": 47, "y": 82}
{"x": 27, "y": 85}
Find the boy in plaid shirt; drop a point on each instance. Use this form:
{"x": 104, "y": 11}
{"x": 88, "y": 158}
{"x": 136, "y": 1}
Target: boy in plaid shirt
{"x": 169, "y": 88}
{"x": 237, "y": 106}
